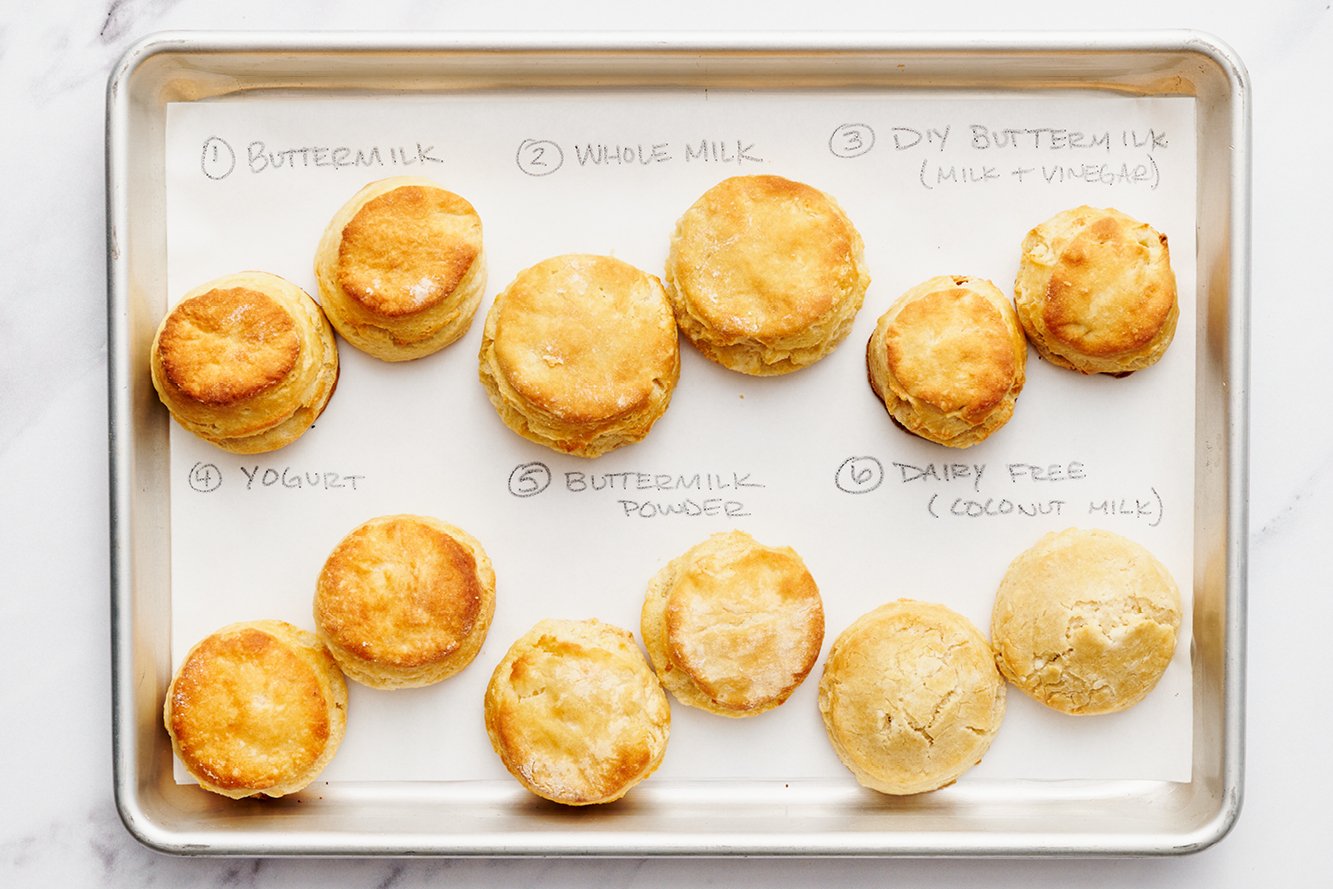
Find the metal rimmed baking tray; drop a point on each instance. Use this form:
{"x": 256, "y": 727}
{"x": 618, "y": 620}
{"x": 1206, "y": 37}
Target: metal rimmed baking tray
{"x": 680, "y": 818}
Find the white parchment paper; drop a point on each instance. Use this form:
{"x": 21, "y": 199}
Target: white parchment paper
{"x": 941, "y": 184}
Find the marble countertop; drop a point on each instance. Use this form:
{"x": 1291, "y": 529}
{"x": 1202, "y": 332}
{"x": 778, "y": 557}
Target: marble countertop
{"x": 59, "y": 825}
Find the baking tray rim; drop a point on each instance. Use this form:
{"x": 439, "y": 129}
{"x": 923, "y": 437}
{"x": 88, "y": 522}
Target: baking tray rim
{"x": 148, "y": 830}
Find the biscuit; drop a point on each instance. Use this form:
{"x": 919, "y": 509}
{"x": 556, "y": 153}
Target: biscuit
{"x": 948, "y": 360}
{"x": 575, "y": 713}
{"x": 765, "y": 274}
{"x": 405, "y": 601}
{"x": 256, "y": 709}
{"x": 580, "y": 354}
{"x": 910, "y": 697}
{"x": 1085, "y": 621}
{"x": 732, "y": 626}
{"x": 246, "y": 362}
{"x": 1095, "y": 292}
{"x": 401, "y": 268}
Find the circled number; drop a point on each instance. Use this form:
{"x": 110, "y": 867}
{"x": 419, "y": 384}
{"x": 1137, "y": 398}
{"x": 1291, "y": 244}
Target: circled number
{"x": 539, "y": 157}
{"x": 851, "y": 140}
{"x": 529, "y": 479}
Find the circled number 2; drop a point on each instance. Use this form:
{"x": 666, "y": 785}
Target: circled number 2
{"x": 539, "y": 157}
{"x": 851, "y": 140}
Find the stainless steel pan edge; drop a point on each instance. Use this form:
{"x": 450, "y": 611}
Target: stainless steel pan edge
{"x": 1152, "y": 818}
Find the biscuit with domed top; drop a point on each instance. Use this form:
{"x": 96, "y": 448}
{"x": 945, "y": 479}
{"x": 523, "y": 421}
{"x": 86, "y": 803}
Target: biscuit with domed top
{"x": 948, "y": 360}
{"x": 405, "y": 601}
{"x": 575, "y": 713}
{"x": 580, "y": 354}
{"x": 247, "y": 362}
{"x": 1085, "y": 621}
{"x": 732, "y": 626}
{"x": 1095, "y": 292}
{"x": 910, "y": 697}
{"x": 401, "y": 268}
{"x": 766, "y": 274}
{"x": 256, "y": 709}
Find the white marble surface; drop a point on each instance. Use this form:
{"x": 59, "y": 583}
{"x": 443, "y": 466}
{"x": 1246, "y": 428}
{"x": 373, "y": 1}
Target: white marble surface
{"x": 58, "y": 824}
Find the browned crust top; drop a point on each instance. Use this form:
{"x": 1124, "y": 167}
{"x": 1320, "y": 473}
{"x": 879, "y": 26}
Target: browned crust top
{"x": 408, "y": 249}
{"x": 228, "y": 345}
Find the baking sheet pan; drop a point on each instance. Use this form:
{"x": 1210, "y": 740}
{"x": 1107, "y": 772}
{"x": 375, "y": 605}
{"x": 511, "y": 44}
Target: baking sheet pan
{"x": 681, "y": 815}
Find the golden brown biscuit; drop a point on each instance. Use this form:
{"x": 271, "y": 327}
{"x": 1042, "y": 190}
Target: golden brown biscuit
{"x": 732, "y": 626}
{"x": 580, "y": 354}
{"x": 948, "y": 360}
{"x": 401, "y": 268}
{"x": 246, "y": 362}
{"x": 1095, "y": 292}
{"x": 256, "y": 708}
{"x": 575, "y": 713}
{"x": 910, "y": 697}
{"x": 405, "y": 601}
{"x": 1085, "y": 621}
{"x": 766, "y": 274}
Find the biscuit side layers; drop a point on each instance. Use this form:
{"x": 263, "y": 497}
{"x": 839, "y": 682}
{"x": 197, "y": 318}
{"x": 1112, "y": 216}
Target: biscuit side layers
{"x": 580, "y": 354}
{"x": 948, "y": 360}
{"x": 1095, "y": 292}
{"x": 410, "y": 227}
{"x": 247, "y": 362}
{"x": 405, "y": 601}
{"x": 766, "y": 275}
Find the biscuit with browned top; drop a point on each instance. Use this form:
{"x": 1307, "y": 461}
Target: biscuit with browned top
{"x": 910, "y": 697}
{"x": 246, "y": 362}
{"x": 580, "y": 354}
{"x": 401, "y": 268}
{"x": 405, "y": 601}
{"x": 948, "y": 360}
{"x": 575, "y": 713}
{"x": 1085, "y": 621}
{"x": 732, "y": 626}
{"x": 1095, "y": 292}
{"x": 765, "y": 274}
{"x": 256, "y": 709}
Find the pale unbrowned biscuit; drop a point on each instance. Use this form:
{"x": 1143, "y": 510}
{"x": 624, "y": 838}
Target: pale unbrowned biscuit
{"x": 948, "y": 360}
{"x": 255, "y": 709}
{"x": 401, "y": 268}
{"x": 910, "y": 697}
{"x": 580, "y": 354}
{"x": 732, "y": 626}
{"x": 246, "y": 362}
{"x": 766, "y": 274}
{"x": 1095, "y": 291}
{"x": 575, "y": 713}
{"x": 1085, "y": 621}
{"x": 405, "y": 601}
